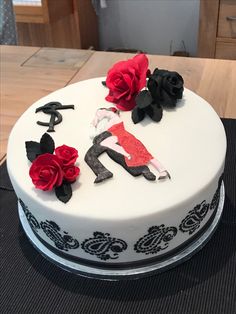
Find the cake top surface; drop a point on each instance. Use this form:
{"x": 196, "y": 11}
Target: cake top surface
{"x": 189, "y": 141}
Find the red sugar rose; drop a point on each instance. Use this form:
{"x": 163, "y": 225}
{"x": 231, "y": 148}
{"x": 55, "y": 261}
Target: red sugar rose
{"x": 71, "y": 173}
{"x": 67, "y": 155}
{"x": 46, "y": 172}
{"x": 125, "y": 80}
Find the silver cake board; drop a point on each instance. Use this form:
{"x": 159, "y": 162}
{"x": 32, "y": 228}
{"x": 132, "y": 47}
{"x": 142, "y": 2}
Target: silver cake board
{"x": 132, "y": 273}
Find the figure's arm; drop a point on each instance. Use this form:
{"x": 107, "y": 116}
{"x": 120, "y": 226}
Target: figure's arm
{"x": 95, "y": 121}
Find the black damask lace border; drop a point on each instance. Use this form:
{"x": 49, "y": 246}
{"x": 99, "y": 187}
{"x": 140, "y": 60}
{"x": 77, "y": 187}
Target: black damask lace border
{"x": 134, "y": 264}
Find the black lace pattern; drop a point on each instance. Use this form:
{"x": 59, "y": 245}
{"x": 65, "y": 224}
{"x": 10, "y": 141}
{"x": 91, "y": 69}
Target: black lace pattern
{"x": 157, "y": 239}
{"x": 33, "y": 222}
{"x": 104, "y": 246}
{"x": 216, "y": 198}
{"x": 61, "y": 240}
{"x": 195, "y": 216}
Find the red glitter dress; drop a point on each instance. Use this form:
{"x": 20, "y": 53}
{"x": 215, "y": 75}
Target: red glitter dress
{"x": 138, "y": 152}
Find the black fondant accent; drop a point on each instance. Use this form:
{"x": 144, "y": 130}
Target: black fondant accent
{"x": 103, "y": 173}
{"x": 127, "y": 265}
{"x": 104, "y": 246}
{"x": 91, "y": 158}
{"x": 166, "y": 87}
{"x": 145, "y": 104}
{"x": 35, "y": 149}
{"x": 134, "y": 171}
{"x": 216, "y": 197}
{"x": 64, "y": 192}
{"x": 143, "y": 99}
{"x": 137, "y": 114}
{"x": 56, "y": 118}
{"x": 61, "y": 241}
{"x": 51, "y": 229}
{"x": 157, "y": 239}
{"x": 32, "y": 150}
{"x": 194, "y": 218}
{"x": 155, "y": 112}
{"x": 47, "y": 144}
{"x": 33, "y": 222}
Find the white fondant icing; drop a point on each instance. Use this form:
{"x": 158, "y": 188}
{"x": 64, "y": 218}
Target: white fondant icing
{"x": 189, "y": 140}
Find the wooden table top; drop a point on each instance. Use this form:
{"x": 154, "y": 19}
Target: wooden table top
{"x": 29, "y": 73}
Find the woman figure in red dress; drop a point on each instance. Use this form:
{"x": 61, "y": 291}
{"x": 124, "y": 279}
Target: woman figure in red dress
{"x": 121, "y": 146}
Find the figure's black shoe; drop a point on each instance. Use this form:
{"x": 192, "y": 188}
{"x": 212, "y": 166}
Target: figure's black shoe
{"x": 103, "y": 176}
{"x": 149, "y": 175}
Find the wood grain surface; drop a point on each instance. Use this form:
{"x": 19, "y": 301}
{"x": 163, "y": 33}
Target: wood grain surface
{"x": 29, "y": 73}
{"x": 23, "y": 82}
{"x": 59, "y": 58}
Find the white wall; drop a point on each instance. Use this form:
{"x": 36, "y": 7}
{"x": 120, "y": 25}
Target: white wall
{"x": 150, "y": 25}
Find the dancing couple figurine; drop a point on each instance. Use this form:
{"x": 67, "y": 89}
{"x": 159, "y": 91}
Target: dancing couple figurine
{"x": 121, "y": 146}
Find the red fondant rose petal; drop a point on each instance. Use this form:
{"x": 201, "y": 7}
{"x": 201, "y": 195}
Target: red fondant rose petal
{"x": 46, "y": 172}
{"x": 126, "y": 106}
{"x": 125, "y": 80}
{"x": 71, "y": 173}
{"x": 66, "y": 154}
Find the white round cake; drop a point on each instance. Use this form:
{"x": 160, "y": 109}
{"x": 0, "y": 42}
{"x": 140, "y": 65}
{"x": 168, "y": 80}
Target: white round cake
{"x": 124, "y": 222}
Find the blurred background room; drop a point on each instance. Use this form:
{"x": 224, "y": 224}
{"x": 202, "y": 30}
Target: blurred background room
{"x": 204, "y": 28}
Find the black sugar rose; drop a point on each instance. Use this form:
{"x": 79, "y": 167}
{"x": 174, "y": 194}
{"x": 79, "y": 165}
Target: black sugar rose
{"x": 166, "y": 87}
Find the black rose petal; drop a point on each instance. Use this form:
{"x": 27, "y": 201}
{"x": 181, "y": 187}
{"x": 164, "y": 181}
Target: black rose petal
{"x": 173, "y": 84}
{"x": 143, "y": 99}
{"x": 167, "y": 100}
{"x": 166, "y": 87}
{"x": 137, "y": 114}
{"x": 155, "y": 112}
{"x": 159, "y": 72}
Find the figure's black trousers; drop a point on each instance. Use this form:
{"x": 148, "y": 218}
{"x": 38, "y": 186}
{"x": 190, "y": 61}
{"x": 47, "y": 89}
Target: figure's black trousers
{"x": 97, "y": 149}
